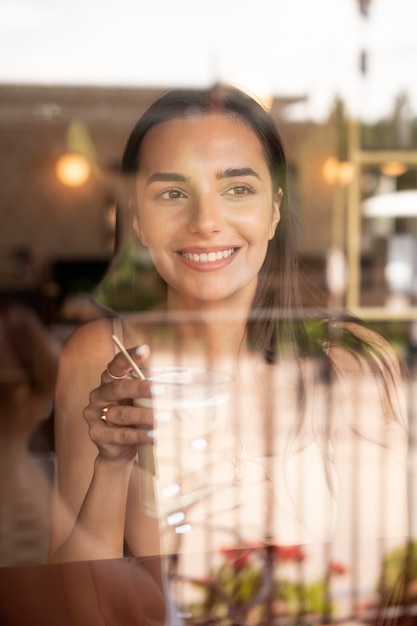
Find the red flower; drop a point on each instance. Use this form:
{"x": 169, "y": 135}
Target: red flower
{"x": 336, "y": 568}
{"x": 293, "y": 554}
{"x": 237, "y": 556}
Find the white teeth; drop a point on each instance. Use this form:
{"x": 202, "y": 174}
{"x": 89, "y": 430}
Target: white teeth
{"x": 209, "y": 257}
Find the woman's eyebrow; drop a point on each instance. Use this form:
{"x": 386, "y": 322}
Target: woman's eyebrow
{"x": 233, "y": 172}
{"x": 167, "y": 177}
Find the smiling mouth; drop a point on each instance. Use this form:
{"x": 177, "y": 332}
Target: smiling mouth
{"x": 208, "y": 257}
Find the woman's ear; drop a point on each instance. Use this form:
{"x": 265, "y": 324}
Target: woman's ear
{"x": 276, "y": 213}
{"x": 138, "y": 231}
{"x": 135, "y": 223}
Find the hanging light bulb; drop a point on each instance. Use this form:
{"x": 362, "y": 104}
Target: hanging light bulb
{"x": 338, "y": 172}
{"x": 73, "y": 169}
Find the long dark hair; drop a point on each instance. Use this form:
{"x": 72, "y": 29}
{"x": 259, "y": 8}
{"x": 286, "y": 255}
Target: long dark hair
{"x": 278, "y": 288}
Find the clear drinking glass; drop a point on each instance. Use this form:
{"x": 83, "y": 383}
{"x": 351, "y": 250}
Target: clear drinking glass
{"x": 190, "y": 405}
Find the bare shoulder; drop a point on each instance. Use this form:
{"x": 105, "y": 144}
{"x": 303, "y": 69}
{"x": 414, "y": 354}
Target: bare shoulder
{"x": 86, "y": 353}
{"x": 90, "y": 341}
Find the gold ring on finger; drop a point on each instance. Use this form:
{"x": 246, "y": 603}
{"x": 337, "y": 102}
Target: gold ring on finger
{"x": 113, "y": 376}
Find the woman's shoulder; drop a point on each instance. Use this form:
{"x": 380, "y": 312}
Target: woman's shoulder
{"x": 89, "y": 339}
{"x": 93, "y": 340}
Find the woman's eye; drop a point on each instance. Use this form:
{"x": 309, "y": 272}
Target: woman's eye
{"x": 172, "y": 194}
{"x": 240, "y": 190}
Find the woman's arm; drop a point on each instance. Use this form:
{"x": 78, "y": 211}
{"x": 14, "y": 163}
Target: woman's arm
{"x": 94, "y": 458}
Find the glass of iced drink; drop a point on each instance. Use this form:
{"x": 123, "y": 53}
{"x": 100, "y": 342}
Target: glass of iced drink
{"x": 190, "y": 406}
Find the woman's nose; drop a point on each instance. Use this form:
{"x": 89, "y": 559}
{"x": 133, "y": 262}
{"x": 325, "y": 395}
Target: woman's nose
{"x": 206, "y": 216}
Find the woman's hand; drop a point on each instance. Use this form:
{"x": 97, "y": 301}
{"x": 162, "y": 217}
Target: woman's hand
{"x": 116, "y": 425}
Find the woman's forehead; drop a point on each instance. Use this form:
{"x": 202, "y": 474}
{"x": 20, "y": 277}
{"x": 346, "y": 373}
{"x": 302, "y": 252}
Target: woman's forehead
{"x": 202, "y": 135}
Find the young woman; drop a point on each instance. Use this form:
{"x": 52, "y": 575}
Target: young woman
{"x": 204, "y": 184}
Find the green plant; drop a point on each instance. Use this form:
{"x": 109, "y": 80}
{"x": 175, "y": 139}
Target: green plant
{"x": 256, "y": 580}
{"x": 397, "y": 582}
{"x": 131, "y": 283}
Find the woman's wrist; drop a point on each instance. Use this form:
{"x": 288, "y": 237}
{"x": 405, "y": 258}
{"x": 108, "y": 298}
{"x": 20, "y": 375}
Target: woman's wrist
{"x": 119, "y": 467}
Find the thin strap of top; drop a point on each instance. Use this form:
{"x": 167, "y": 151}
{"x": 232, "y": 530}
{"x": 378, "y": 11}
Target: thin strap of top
{"x": 117, "y": 331}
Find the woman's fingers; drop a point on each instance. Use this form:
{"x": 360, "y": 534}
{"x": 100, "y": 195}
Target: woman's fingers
{"x": 123, "y": 390}
{"x": 119, "y": 367}
{"x": 124, "y": 427}
{"x": 117, "y": 413}
{"x": 126, "y": 415}
{"x": 117, "y": 423}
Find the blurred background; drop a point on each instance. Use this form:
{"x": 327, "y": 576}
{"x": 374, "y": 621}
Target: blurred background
{"x": 338, "y": 77}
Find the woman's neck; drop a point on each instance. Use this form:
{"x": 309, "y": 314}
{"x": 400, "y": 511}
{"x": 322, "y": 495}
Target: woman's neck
{"x": 218, "y": 338}
{"x": 219, "y": 331}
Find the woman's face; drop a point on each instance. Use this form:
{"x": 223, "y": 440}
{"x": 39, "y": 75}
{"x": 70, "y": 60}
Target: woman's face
{"x": 206, "y": 208}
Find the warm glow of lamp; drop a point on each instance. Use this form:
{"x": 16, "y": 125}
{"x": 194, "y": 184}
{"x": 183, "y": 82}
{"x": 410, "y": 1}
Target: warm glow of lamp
{"x": 330, "y": 167}
{"x": 73, "y": 169}
{"x": 345, "y": 173}
{"x": 393, "y": 168}
{"x": 337, "y": 172}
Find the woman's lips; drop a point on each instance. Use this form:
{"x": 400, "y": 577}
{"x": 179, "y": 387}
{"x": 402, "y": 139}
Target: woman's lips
{"x": 208, "y": 257}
